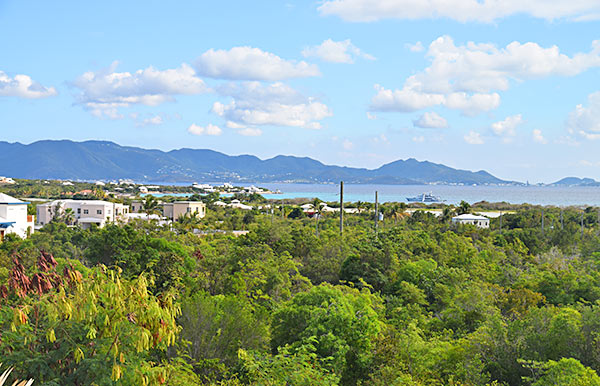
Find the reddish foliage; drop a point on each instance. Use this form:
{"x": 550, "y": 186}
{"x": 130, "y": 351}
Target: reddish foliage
{"x": 18, "y": 281}
{"x": 198, "y": 255}
{"x": 46, "y": 262}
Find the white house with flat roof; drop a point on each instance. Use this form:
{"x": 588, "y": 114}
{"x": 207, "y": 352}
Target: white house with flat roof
{"x": 478, "y": 221}
{"x": 85, "y": 212}
{"x": 14, "y": 217}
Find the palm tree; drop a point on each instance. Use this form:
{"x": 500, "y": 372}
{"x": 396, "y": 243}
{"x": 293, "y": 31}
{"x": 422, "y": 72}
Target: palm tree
{"x": 316, "y": 203}
{"x": 360, "y": 206}
{"x": 463, "y": 208}
{"x": 150, "y": 205}
{"x": 189, "y": 220}
{"x": 394, "y": 211}
{"x": 68, "y": 216}
{"x": 447, "y": 213}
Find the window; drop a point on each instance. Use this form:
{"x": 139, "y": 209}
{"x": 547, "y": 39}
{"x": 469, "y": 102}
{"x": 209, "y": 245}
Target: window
{"x": 78, "y": 210}
{"x": 99, "y": 211}
{"x": 85, "y": 211}
{"x": 107, "y": 212}
{"x": 188, "y": 210}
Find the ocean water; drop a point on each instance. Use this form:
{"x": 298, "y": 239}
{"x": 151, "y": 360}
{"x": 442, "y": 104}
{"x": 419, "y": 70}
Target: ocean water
{"x": 539, "y": 195}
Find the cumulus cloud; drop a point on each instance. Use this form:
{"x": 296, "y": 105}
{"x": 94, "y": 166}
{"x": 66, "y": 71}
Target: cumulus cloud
{"x": 585, "y": 120}
{"x": 209, "y": 129}
{"x": 468, "y": 77}
{"x": 538, "y": 137}
{"x": 277, "y": 104}
{"x": 104, "y": 92}
{"x": 23, "y": 86}
{"x": 431, "y": 120}
{"x": 409, "y": 100}
{"x": 485, "y": 11}
{"x": 473, "y": 138}
{"x": 336, "y": 52}
{"x": 248, "y": 63}
{"x": 506, "y": 128}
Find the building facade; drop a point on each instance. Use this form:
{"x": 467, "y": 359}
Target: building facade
{"x": 82, "y": 212}
{"x": 173, "y": 210}
{"x": 14, "y": 217}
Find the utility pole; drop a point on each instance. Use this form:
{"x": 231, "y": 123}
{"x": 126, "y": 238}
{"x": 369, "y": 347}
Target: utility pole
{"x": 376, "y": 213}
{"x": 542, "y": 221}
{"x": 562, "y": 220}
{"x": 500, "y": 222}
{"x": 341, "y": 207}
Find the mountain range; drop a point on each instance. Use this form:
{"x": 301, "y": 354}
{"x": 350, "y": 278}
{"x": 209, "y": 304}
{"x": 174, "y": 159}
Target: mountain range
{"x": 103, "y": 160}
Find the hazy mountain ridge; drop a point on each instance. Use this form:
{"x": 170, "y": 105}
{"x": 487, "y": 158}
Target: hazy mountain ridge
{"x": 103, "y": 160}
{"x": 576, "y": 181}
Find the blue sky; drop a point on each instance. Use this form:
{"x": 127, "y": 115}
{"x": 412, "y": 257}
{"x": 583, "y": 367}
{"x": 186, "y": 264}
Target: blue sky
{"x": 508, "y": 86}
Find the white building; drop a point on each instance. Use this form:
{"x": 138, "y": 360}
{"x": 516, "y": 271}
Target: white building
{"x": 238, "y": 205}
{"x": 478, "y": 221}
{"x": 6, "y": 180}
{"x": 85, "y": 212}
{"x": 172, "y": 210}
{"x": 14, "y": 217}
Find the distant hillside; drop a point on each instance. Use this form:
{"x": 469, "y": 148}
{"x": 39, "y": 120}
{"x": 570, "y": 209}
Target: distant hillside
{"x": 575, "y": 181}
{"x": 102, "y": 160}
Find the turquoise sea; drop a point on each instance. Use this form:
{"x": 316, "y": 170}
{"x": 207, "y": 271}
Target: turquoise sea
{"x": 542, "y": 195}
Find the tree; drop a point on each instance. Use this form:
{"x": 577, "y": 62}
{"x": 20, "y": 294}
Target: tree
{"x": 338, "y": 324}
{"x": 447, "y": 213}
{"x": 150, "y": 205}
{"x": 84, "y": 327}
{"x": 567, "y": 372}
{"x": 463, "y": 208}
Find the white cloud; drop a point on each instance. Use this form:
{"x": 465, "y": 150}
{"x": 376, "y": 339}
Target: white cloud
{"x": 485, "y": 11}
{"x": 347, "y": 144}
{"x": 431, "y": 120}
{"x": 506, "y": 128}
{"x": 468, "y": 77}
{"x": 104, "y": 92}
{"x": 371, "y": 116}
{"x": 417, "y": 47}
{"x": 250, "y": 132}
{"x": 155, "y": 120}
{"x": 585, "y": 120}
{"x": 277, "y": 104}
{"x": 409, "y": 100}
{"x": 418, "y": 139}
{"x": 23, "y": 86}
{"x": 209, "y": 129}
{"x": 248, "y": 63}
{"x": 336, "y": 52}
{"x": 473, "y": 138}
{"x": 538, "y": 137}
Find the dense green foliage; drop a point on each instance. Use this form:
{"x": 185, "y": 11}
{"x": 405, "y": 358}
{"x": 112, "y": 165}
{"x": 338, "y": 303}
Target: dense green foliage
{"x": 420, "y": 302}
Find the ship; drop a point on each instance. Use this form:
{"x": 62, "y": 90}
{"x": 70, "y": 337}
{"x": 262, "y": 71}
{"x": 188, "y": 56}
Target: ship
{"x": 425, "y": 197}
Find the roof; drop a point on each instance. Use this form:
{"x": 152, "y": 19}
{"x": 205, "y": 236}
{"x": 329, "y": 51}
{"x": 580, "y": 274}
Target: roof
{"x": 6, "y": 199}
{"x": 468, "y": 216}
{"x": 81, "y": 202}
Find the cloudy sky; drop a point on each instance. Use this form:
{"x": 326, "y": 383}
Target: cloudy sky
{"x": 509, "y": 86}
